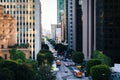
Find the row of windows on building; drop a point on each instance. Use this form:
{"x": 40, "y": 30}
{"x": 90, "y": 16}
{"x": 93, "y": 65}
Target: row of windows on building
{"x": 19, "y": 12}
{"x": 27, "y": 35}
{"x": 19, "y": 6}
{"x": 27, "y": 24}
{"x": 27, "y": 18}
{"x": 17, "y": 0}
{"x": 26, "y": 41}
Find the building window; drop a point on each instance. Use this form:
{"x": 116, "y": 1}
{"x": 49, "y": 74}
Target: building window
{"x": 10, "y": 6}
{"x": 17, "y": 29}
{"x": 2, "y": 46}
{"x": 33, "y": 54}
{"x": 4, "y": 6}
{"x": 20, "y": 40}
{"x": 33, "y": 23}
{"x": 14, "y": 12}
{"x": 5, "y": 56}
{"x": 7, "y": 6}
{"x": 33, "y": 40}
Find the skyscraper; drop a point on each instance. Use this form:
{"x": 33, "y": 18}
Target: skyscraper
{"x": 88, "y": 27}
{"x": 60, "y": 10}
{"x": 70, "y": 24}
{"x": 101, "y": 27}
{"x": 28, "y": 15}
{"x": 108, "y": 28}
{"x": 78, "y": 26}
{"x": 64, "y": 27}
{"x": 74, "y": 24}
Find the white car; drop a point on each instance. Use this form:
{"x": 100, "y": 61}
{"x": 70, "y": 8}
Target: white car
{"x": 66, "y": 64}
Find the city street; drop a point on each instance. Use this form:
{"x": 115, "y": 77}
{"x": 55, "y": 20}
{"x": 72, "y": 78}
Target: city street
{"x": 63, "y": 75}
{"x": 62, "y": 72}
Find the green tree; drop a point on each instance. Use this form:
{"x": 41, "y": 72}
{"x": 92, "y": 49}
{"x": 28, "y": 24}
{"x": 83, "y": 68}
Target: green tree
{"x": 78, "y": 57}
{"x": 27, "y": 45}
{"x": 12, "y": 53}
{"x": 49, "y": 58}
{"x": 45, "y": 72}
{"x": 7, "y": 69}
{"x": 41, "y": 58}
{"x": 60, "y": 48}
{"x": 51, "y": 41}
{"x": 45, "y": 57}
{"x": 17, "y": 54}
{"x": 90, "y": 64}
{"x": 102, "y": 57}
{"x": 24, "y": 72}
{"x": 11, "y": 65}
{"x": 100, "y": 72}
{"x": 1, "y": 58}
{"x": 16, "y": 71}
{"x": 32, "y": 63}
{"x": 69, "y": 53}
{"x": 45, "y": 46}
{"x": 6, "y": 74}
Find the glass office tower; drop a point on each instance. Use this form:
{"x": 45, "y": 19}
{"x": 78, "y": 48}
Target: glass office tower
{"x": 60, "y": 9}
{"x": 108, "y": 28}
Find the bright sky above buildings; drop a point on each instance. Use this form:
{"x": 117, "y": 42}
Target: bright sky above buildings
{"x": 49, "y": 13}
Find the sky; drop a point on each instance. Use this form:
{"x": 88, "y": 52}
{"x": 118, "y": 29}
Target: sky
{"x": 49, "y": 13}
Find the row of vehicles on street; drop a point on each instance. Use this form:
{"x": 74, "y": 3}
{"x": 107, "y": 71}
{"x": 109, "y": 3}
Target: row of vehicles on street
{"x": 69, "y": 64}
{"x": 75, "y": 70}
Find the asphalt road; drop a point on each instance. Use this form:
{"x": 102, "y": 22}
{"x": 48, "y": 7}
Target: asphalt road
{"x": 61, "y": 75}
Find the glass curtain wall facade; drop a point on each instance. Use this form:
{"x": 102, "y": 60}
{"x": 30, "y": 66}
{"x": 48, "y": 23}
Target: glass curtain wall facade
{"x": 108, "y": 28}
{"x": 60, "y": 10}
{"x": 27, "y": 13}
{"x": 78, "y": 26}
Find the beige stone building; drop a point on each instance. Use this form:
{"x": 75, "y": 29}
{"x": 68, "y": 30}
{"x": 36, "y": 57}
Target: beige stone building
{"x": 28, "y": 16}
{"x": 7, "y": 29}
{"x": 8, "y": 34}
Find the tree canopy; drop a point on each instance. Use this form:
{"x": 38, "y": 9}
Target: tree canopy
{"x": 60, "y": 48}
{"x": 91, "y": 63}
{"x": 17, "y": 54}
{"x": 102, "y": 57}
{"x": 45, "y": 46}
{"x": 45, "y": 72}
{"x": 45, "y": 57}
{"x": 100, "y": 72}
{"x": 78, "y": 57}
{"x": 11, "y": 70}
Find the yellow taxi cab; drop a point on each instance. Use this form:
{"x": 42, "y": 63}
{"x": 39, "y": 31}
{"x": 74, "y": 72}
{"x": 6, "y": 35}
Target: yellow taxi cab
{"x": 77, "y": 73}
{"x": 58, "y": 62}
